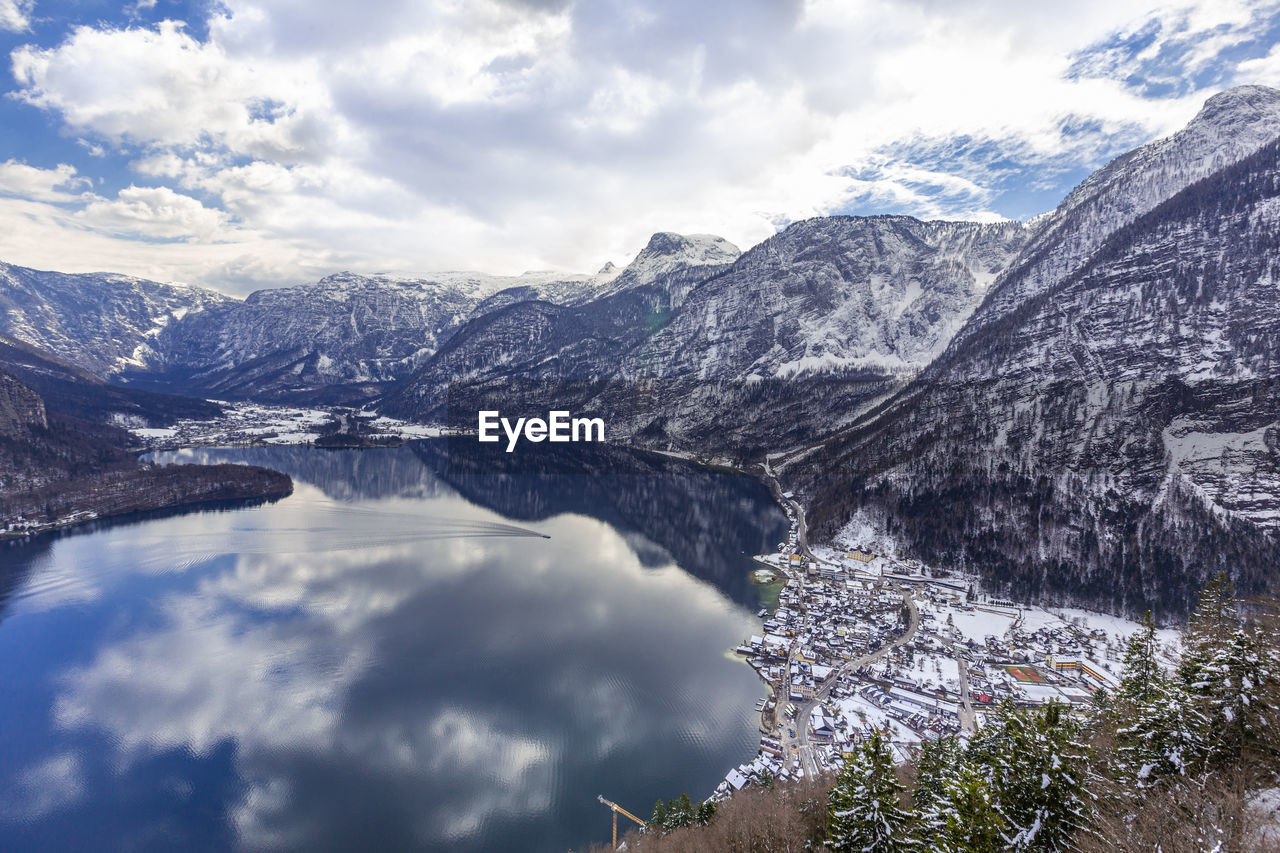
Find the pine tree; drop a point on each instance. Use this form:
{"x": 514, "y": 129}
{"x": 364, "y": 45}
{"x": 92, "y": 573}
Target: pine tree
{"x": 1232, "y": 685}
{"x": 658, "y": 819}
{"x": 955, "y": 811}
{"x": 679, "y": 813}
{"x": 1229, "y": 669}
{"x": 970, "y": 823}
{"x": 864, "y": 812}
{"x": 1158, "y": 731}
{"x": 1213, "y": 620}
{"x": 1142, "y": 673}
{"x": 1034, "y": 767}
{"x": 937, "y": 762}
{"x": 937, "y": 758}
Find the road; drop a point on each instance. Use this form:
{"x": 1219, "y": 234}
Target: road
{"x": 968, "y": 720}
{"x": 802, "y": 533}
{"x": 799, "y": 746}
{"x": 803, "y": 749}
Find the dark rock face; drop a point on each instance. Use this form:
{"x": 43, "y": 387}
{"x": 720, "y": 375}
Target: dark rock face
{"x": 20, "y": 407}
{"x": 1114, "y": 435}
{"x": 1230, "y": 126}
{"x": 75, "y": 392}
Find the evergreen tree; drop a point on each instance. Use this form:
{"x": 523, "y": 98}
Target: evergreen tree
{"x": 1232, "y": 685}
{"x": 955, "y": 812}
{"x": 1142, "y": 673}
{"x": 658, "y": 820}
{"x": 938, "y": 758}
{"x": 864, "y": 811}
{"x": 679, "y": 813}
{"x": 1211, "y": 623}
{"x": 1229, "y": 669}
{"x": 970, "y": 821}
{"x": 1033, "y": 766}
{"x": 1158, "y": 732}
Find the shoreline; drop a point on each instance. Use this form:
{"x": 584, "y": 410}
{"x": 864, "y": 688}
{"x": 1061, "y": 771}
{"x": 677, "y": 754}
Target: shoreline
{"x": 121, "y": 496}
{"x": 867, "y": 617}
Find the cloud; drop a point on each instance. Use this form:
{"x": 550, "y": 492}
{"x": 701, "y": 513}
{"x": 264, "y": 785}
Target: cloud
{"x": 15, "y": 15}
{"x": 154, "y": 212}
{"x": 59, "y": 184}
{"x": 135, "y": 10}
{"x": 162, "y": 88}
{"x": 510, "y": 135}
{"x": 45, "y": 787}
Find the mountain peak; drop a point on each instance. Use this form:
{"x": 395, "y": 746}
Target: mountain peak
{"x": 1254, "y": 99}
{"x": 689, "y": 248}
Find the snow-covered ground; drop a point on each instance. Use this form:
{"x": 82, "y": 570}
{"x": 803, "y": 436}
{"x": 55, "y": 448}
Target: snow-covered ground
{"x": 846, "y": 606}
{"x": 856, "y": 713}
{"x": 981, "y": 622}
{"x": 254, "y": 423}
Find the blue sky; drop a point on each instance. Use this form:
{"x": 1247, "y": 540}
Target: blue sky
{"x": 255, "y": 143}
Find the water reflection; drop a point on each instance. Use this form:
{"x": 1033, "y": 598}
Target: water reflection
{"x": 459, "y": 692}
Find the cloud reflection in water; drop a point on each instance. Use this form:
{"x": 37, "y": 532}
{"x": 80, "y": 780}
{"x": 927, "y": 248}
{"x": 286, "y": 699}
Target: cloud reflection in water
{"x": 456, "y": 693}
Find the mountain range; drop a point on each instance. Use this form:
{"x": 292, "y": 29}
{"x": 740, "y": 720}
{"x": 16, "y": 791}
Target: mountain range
{"x": 1082, "y": 406}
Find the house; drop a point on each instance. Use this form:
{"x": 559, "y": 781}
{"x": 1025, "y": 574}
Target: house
{"x": 822, "y": 728}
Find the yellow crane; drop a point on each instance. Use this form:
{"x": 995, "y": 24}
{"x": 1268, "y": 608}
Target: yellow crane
{"x": 615, "y": 808}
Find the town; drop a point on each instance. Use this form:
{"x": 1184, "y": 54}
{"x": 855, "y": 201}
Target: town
{"x": 861, "y": 641}
{"x": 252, "y": 424}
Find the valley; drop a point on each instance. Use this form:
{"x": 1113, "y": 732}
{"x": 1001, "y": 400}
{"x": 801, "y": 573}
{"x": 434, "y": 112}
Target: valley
{"x": 1080, "y": 407}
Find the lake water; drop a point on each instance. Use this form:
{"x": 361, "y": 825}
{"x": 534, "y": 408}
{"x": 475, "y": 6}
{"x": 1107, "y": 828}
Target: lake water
{"x": 391, "y": 658}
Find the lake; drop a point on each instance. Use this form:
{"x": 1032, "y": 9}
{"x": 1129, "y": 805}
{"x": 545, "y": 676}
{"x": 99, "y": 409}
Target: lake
{"x": 394, "y": 657}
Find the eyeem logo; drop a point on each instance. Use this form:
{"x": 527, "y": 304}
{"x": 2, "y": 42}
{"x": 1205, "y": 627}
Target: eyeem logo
{"x": 557, "y": 427}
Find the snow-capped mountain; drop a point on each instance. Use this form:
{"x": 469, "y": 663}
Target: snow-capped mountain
{"x": 833, "y": 295}
{"x": 1231, "y": 125}
{"x": 809, "y": 328}
{"x": 342, "y": 339}
{"x": 102, "y": 322}
{"x": 778, "y": 345}
{"x": 1114, "y": 432}
{"x": 535, "y": 353}
{"x": 665, "y": 262}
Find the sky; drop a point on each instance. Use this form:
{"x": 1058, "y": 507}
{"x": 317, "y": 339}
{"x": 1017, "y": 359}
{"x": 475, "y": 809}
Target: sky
{"x": 244, "y": 144}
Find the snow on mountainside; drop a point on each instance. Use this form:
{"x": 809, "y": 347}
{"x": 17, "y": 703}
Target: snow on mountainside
{"x": 667, "y": 255}
{"x": 349, "y": 333}
{"x": 676, "y": 358}
{"x": 341, "y": 339}
{"x": 536, "y": 353}
{"x": 102, "y": 322}
{"x": 1116, "y": 434}
{"x": 834, "y": 294}
{"x": 1230, "y": 126}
